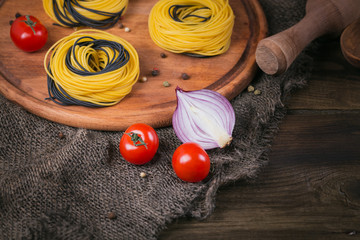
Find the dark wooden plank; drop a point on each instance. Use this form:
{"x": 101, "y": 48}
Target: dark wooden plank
{"x": 311, "y": 187}
{"x": 335, "y": 84}
{"x": 309, "y": 190}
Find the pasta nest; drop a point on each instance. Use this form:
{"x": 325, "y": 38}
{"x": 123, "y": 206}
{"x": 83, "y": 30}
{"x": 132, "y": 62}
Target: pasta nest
{"x": 93, "y": 13}
{"x": 196, "y": 27}
{"x": 91, "y": 68}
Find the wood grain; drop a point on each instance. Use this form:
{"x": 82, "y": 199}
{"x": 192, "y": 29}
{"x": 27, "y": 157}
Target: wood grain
{"x": 23, "y": 79}
{"x": 334, "y": 85}
{"x": 311, "y": 187}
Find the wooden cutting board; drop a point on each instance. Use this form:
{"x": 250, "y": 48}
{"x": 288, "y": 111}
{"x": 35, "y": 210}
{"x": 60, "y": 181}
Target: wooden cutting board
{"x": 23, "y": 78}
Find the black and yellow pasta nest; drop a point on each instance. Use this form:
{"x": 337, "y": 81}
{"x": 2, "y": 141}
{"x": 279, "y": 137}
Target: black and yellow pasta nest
{"x": 92, "y": 13}
{"x": 91, "y": 68}
{"x": 195, "y": 27}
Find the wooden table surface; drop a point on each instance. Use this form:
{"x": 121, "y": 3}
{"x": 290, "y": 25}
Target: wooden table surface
{"x": 311, "y": 186}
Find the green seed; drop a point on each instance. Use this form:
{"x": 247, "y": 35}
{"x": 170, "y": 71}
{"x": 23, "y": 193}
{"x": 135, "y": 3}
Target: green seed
{"x": 257, "y": 92}
{"x": 250, "y": 88}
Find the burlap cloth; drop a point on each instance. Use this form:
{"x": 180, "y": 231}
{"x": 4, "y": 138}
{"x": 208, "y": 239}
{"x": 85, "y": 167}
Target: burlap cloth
{"x": 64, "y": 188}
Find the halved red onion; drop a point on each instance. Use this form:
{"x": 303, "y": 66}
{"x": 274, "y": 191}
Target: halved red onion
{"x": 205, "y": 117}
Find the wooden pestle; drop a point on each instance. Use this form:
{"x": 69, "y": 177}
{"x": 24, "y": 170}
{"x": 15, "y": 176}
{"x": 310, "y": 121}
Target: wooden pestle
{"x": 275, "y": 54}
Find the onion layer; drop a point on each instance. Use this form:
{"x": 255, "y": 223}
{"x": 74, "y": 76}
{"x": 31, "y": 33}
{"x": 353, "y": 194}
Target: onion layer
{"x": 205, "y": 117}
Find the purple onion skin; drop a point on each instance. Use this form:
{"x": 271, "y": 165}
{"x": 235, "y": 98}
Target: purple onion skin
{"x": 216, "y": 107}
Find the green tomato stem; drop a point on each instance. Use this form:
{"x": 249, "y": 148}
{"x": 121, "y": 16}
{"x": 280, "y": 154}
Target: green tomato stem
{"x": 135, "y": 138}
{"x": 30, "y": 23}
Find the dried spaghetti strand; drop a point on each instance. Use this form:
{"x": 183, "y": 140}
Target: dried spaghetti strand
{"x": 194, "y": 27}
{"x": 100, "y": 14}
{"x": 91, "y": 68}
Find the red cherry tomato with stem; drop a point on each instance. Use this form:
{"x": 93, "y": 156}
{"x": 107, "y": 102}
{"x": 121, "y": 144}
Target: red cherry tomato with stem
{"x": 28, "y": 33}
{"x": 190, "y": 162}
{"x": 139, "y": 144}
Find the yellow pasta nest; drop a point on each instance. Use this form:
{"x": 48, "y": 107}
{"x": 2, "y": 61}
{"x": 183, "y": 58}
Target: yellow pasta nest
{"x": 92, "y": 13}
{"x": 198, "y": 27}
{"x": 91, "y": 68}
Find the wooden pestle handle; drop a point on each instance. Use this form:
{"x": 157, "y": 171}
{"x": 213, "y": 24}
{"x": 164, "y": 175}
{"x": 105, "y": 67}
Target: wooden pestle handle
{"x": 276, "y": 53}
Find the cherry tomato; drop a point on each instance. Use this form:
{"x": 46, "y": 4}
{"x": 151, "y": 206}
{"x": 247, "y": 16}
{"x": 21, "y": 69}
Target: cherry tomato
{"x": 190, "y": 162}
{"x": 139, "y": 144}
{"x": 28, "y": 34}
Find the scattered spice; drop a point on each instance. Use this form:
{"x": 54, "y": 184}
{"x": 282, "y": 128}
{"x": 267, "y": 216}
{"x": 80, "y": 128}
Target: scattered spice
{"x": 121, "y": 26}
{"x": 61, "y": 135}
{"x": 17, "y": 15}
{"x": 127, "y": 29}
{"x": 155, "y": 72}
{"x": 166, "y": 84}
{"x": 163, "y": 55}
{"x": 142, "y": 174}
{"x": 111, "y": 215}
{"x": 250, "y": 88}
{"x": 185, "y": 76}
{"x": 143, "y": 79}
{"x": 257, "y": 92}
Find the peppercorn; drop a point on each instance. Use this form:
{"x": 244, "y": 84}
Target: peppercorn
{"x": 61, "y": 135}
{"x": 185, "y": 76}
{"x": 127, "y": 29}
{"x": 111, "y": 215}
{"x": 155, "y": 72}
{"x": 11, "y": 22}
{"x": 163, "y": 55}
{"x": 17, "y": 15}
{"x": 166, "y": 84}
{"x": 121, "y": 26}
{"x": 142, "y": 174}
